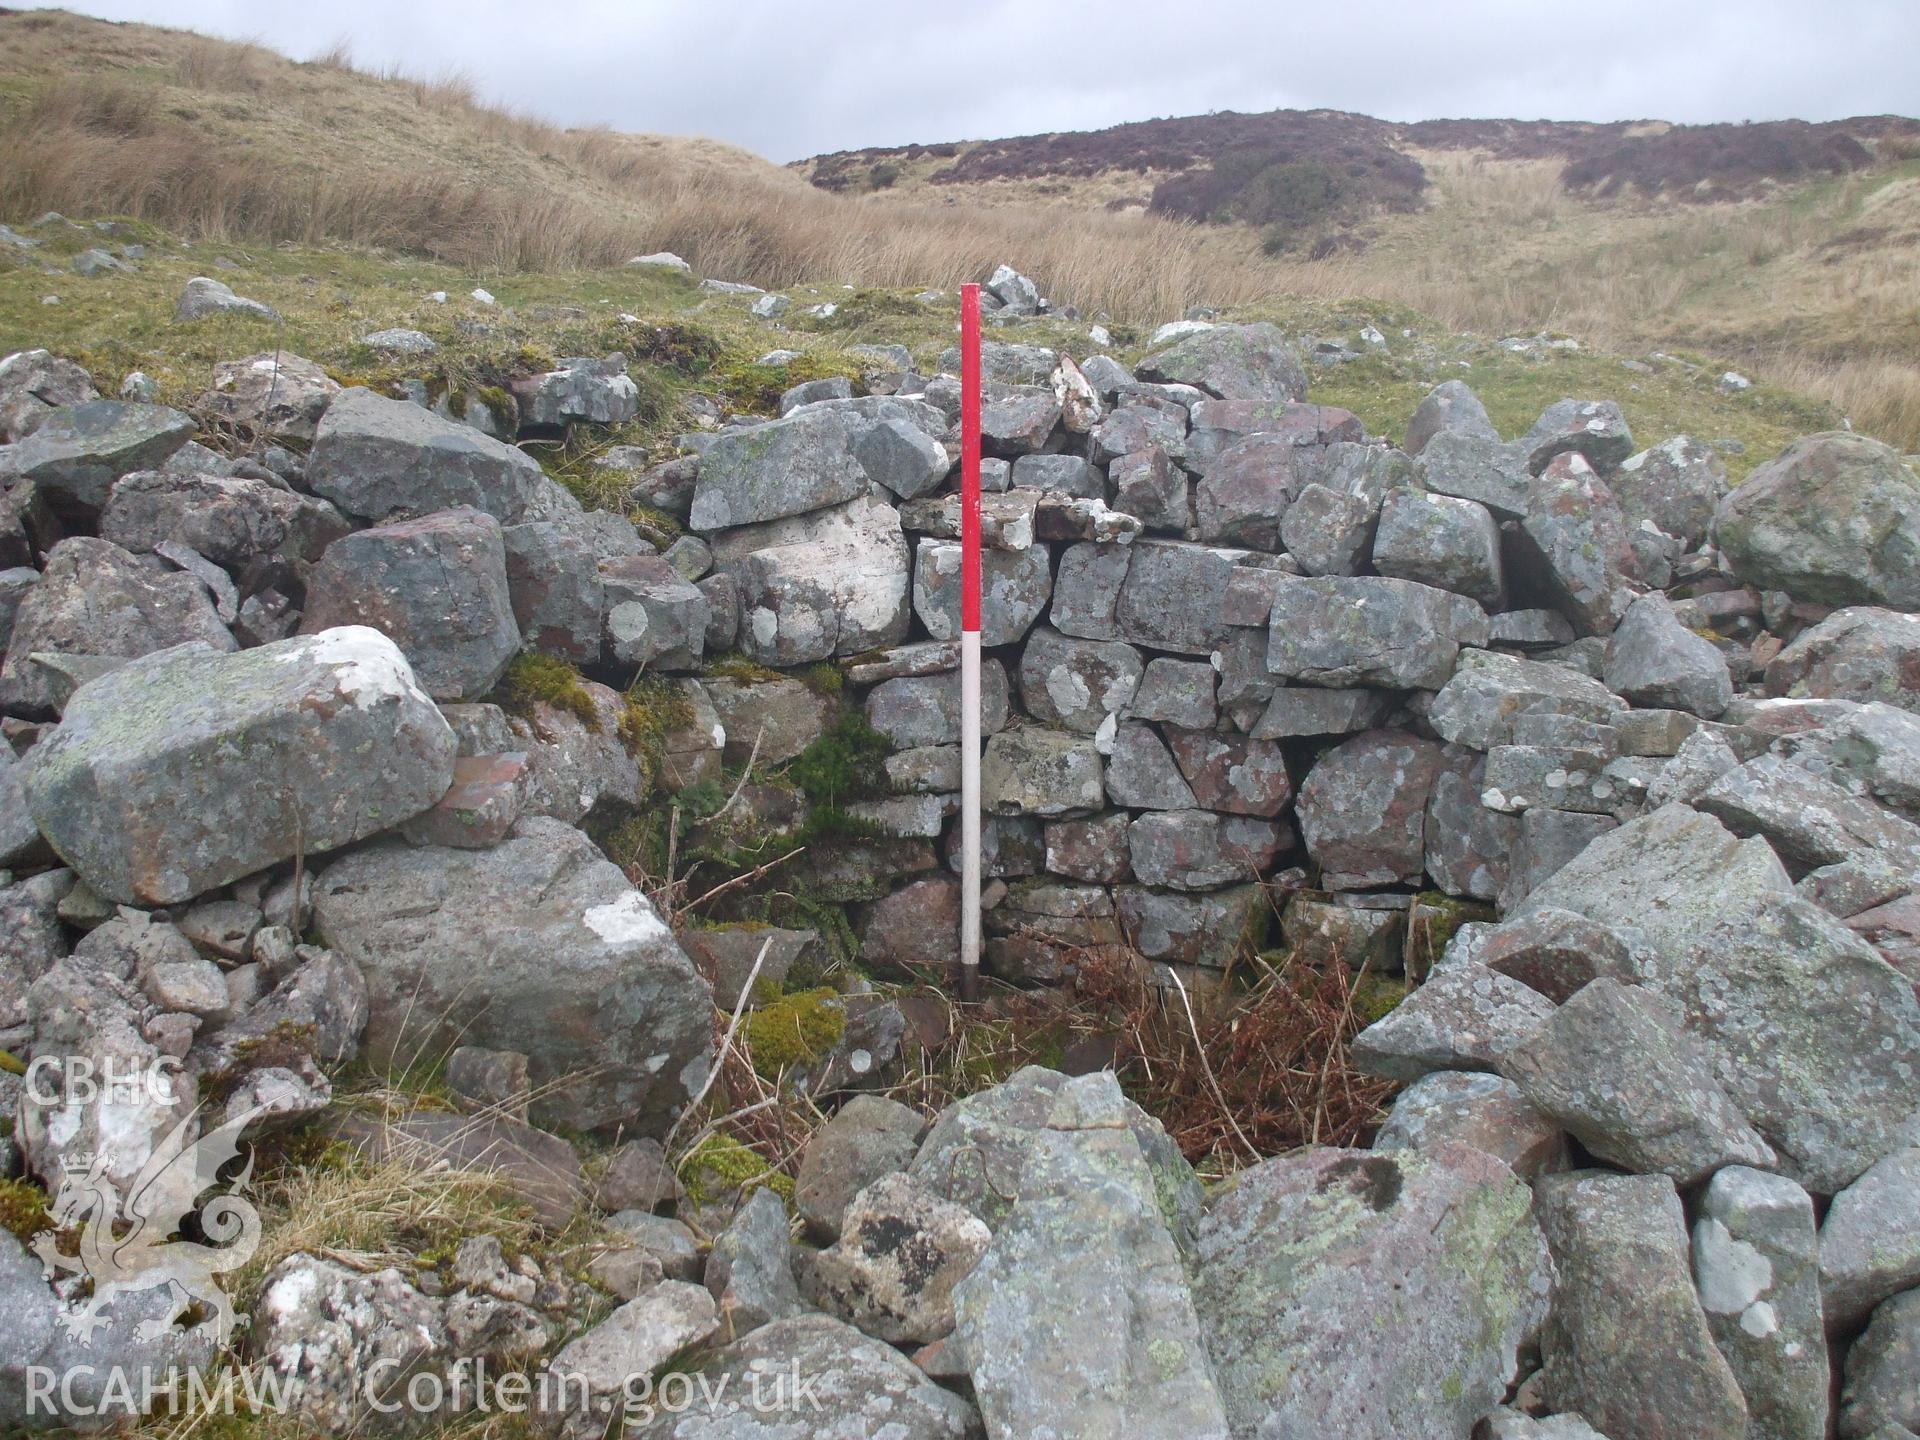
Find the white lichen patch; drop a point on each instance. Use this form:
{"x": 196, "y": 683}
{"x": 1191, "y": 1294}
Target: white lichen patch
{"x": 630, "y": 920}
{"x": 368, "y": 667}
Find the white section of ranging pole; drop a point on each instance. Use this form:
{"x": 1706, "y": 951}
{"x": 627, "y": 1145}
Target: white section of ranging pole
{"x": 969, "y": 809}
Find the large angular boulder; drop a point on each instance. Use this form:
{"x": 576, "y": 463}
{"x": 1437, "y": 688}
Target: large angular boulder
{"x": 1870, "y": 1240}
{"x": 1175, "y": 594}
{"x": 1014, "y": 588}
{"x": 1489, "y": 692}
{"x": 1756, "y": 1264}
{"x": 76, "y": 452}
{"x": 582, "y": 976}
{"x": 95, "y": 599}
{"x": 188, "y": 769}
{"x": 1077, "y": 684}
{"x": 1370, "y": 631}
{"x": 1451, "y": 406}
{"x": 1440, "y": 541}
{"x": 1834, "y": 518}
{"x": 1811, "y": 1033}
{"x": 1574, "y": 540}
{"x": 1614, "y": 1068}
{"x": 580, "y": 389}
{"x": 654, "y": 618}
{"x": 855, "y": 1386}
{"x": 273, "y": 394}
{"x": 553, "y": 578}
{"x": 1675, "y": 487}
{"x": 1077, "y": 1322}
{"x": 375, "y": 457}
{"x": 1363, "y": 809}
{"x": 901, "y": 1251}
{"x": 1809, "y": 821}
{"x": 33, "y": 384}
{"x": 1862, "y": 653}
{"x": 1464, "y": 1017}
{"x": 1627, "y": 1343}
{"x": 1655, "y": 661}
{"x": 1882, "y": 1396}
{"x": 1480, "y": 1111}
{"x": 1470, "y": 465}
{"x": 1592, "y": 429}
{"x": 1032, "y": 770}
{"x": 436, "y": 587}
{"x": 1245, "y": 493}
{"x": 805, "y": 461}
{"x": 1664, "y": 879}
{"x": 1234, "y": 362}
{"x": 228, "y": 520}
{"x": 813, "y": 586}
{"x": 1367, "y": 1295}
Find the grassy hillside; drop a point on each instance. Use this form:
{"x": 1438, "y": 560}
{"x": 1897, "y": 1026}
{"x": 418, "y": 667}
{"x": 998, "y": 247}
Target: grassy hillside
{"x": 1813, "y": 285}
{"x": 1789, "y": 251}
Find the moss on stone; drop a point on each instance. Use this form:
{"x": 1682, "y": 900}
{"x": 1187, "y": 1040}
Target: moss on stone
{"x": 654, "y": 708}
{"x": 1376, "y": 996}
{"x": 846, "y": 763}
{"x": 23, "y": 1209}
{"x": 720, "y": 1167}
{"x": 548, "y": 680}
{"x": 799, "y": 1029}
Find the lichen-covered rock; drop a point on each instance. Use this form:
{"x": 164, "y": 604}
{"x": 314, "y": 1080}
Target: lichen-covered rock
{"x": 1234, "y": 362}
{"x": 1077, "y": 1322}
{"x": 204, "y": 296}
{"x": 1450, "y": 407}
{"x": 274, "y": 394}
{"x": 1363, "y": 809}
{"x": 553, "y": 579}
{"x": 901, "y": 1251}
{"x": 1209, "y": 929}
{"x": 1811, "y": 1032}
{"x": 190, "y": 768}
{"x": 1479, "y": 1111}
{"x": 1861, "y": 653}
{"x": 834, "y": 582}
{"x": 1654, "y": 660}
{"x": 860, "y": 1388}
{"x": 1465, "y": 1017}
{"x": 868, "y": 1137}
{"x": 1246, "y": 491}
{"x": 1488, "y": 692}
{"x": 345, "y": 1345}
{"x": 1809, "y": 821}
{"x": 1370, "y": 631}
{"x": 582, "y": 977}
{"x": 1870, "y": 1240}
{"x": 581, "y": 388}
{"x": 654, "y": 618}
{"x": 1881, "y": 1400}
{"x": 1179, "y": 692}
{"x": 1327, "y": 531}
{"x": 1031, "y": 770}
{"x": 33, "y": 384}
{"x": 804, "y": 461}
{"x": 1440, "y": 541}
{"x": 1613, "y": 1066}
{"x": 94, "y": 599}
{"x": 1469, "y": 848}
{"x": 1368, "y": 1295}
{"x": 1756, "y": 1265}
{"x": 374, "y": 457}
{"x": 229, "y": 521}
{"x": 76, "y": 452}
{"x": 436, "y": 587}
{"x": 750, "y": 1270}
{"x": 1556, "y": 952}
{"x": 1575, "y": 541}
{"x": 1470, "y": 464}
{"x": 1077, "y": 684}
{"x": 1663, "y": 879}
{"x": 1675, "y": 486}
{"x": 1233, "y": 775}
{"x": 593, "y": 1376}
{"x": 915, "y": 710}
{"x": 1593, "y": 429}
{"x": 1627, "y": 1344}
{"x": 1834, "y": 518}
{"x": 1199, "y": 850}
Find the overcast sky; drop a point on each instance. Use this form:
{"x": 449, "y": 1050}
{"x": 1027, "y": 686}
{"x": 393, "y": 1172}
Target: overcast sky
{"x": 794, "y": 79}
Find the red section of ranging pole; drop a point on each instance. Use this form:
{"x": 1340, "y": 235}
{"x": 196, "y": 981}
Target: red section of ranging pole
{"x": 970, "y": 457}
{"x": 969, "y": 642}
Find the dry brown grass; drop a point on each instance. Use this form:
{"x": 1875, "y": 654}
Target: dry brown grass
{"x": 235, "y": 142}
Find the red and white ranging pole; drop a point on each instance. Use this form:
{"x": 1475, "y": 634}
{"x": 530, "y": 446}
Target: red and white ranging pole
{"x": 969, "y": 642}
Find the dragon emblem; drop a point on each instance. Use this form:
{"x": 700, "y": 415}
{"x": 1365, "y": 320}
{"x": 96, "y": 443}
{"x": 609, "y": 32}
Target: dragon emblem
{"x": 126, "y": 1242}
